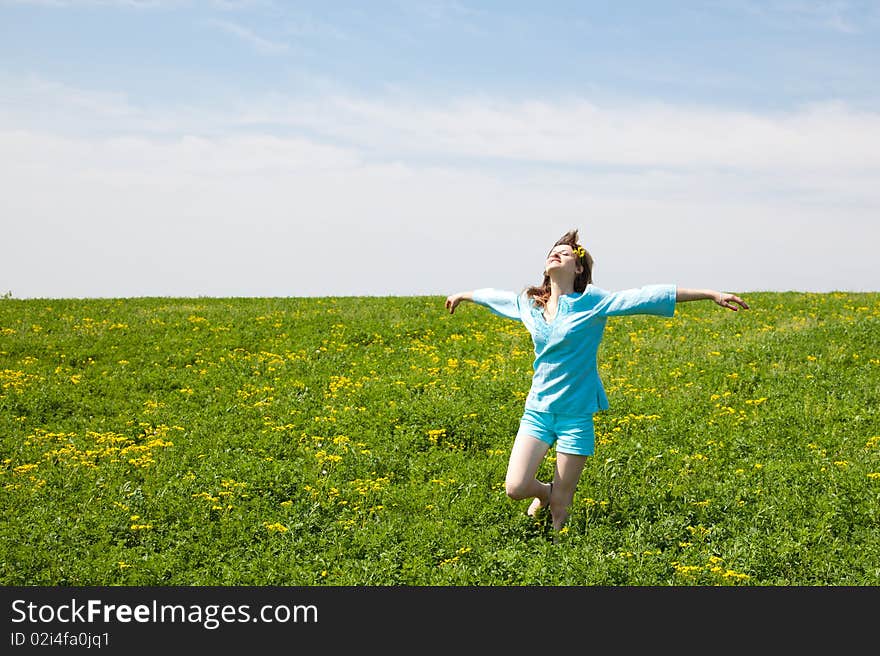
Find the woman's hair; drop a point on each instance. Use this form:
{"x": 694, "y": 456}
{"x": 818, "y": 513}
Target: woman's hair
{"x": 541, "y": 293}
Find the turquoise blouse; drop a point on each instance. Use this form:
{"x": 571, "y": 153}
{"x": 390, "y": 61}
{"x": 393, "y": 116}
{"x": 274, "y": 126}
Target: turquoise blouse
{"x": 566, "y": 375}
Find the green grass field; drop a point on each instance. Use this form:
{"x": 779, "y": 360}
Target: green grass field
{"x": 364, "y": 441}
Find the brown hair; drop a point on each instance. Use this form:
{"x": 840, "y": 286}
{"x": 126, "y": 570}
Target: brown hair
{"x": 541, "y": 293}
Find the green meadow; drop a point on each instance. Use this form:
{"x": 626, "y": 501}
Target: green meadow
{"x": 364, "y": 440}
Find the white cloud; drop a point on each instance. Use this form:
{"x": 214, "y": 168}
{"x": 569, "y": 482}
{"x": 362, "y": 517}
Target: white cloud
{"x": 578, "y": 132}
{"x": 842, "y": 17}
{"x": 260, "y": 44}
{"x": 309, "y": 27}
{"x": 359, "y": 196}
{"x": 822, "y": 153}
{"x": 131, "y": 4}
{"x": 140, "y": 4}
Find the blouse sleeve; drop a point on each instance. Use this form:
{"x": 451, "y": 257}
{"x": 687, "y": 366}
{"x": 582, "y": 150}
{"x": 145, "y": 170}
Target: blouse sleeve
{"x": 650, "y": 299}
{"x": 502, "y": 303}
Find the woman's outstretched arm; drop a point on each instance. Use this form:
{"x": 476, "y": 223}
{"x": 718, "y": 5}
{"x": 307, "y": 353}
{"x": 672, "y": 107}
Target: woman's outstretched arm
{"x": 503, "y": 303}
{"x": 453, "y": 300}
{"x": 725, "y": 300}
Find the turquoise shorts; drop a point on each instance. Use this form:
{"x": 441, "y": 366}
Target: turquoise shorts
{"x": 572, "y": 434}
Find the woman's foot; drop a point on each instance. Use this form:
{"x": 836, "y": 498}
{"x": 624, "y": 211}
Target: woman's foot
{"x": 537, "y": 506}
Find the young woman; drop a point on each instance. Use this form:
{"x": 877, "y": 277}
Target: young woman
{"x": 566, "y": 317}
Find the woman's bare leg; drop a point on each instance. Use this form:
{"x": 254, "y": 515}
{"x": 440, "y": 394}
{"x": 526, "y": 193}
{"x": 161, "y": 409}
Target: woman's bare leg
{"x": 565, "y": 481}
{"x": 520, "y": 482}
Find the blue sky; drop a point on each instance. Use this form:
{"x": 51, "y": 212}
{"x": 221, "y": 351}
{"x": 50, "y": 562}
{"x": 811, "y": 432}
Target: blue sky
{"x": 232, "y": 148}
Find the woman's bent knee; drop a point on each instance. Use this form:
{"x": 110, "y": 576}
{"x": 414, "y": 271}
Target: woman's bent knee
{"x": 516, "y": 490}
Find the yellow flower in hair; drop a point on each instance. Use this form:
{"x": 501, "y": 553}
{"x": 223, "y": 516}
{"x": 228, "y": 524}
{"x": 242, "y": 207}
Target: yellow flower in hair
{"x": 579, "y": 251}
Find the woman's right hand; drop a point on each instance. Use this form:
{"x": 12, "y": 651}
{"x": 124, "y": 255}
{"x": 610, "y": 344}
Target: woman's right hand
{"x": 452, "y": 302}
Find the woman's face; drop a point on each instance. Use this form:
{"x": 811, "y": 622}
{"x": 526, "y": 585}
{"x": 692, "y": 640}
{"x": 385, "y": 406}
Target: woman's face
{"x": 562, "y": 258}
